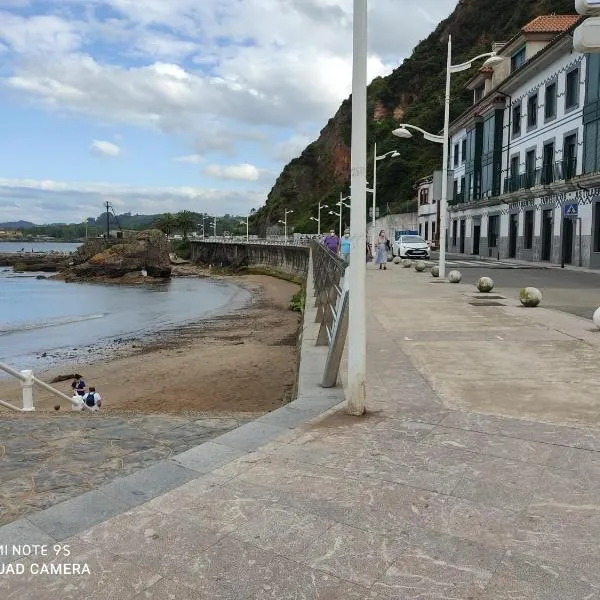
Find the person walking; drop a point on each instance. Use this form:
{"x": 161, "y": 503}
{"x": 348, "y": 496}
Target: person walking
{"x": 345, "y": 244}
{"x": 332, "y": 241}
{"x": 381, "y": 251}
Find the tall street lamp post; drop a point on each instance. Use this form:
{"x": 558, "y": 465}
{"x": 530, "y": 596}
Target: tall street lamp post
{"x": 357, "y": 324}
{"x": 403, "y": 132}
{"x": 318, "y": 219}
{"x": 341, "y": 204}
{"x": 285, "y": 214}
{"x": 392, "y": 154}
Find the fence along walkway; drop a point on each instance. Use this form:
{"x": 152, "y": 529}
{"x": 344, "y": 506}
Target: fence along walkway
{"x": 331, "y": 299}
{"x": 28, "y": 380}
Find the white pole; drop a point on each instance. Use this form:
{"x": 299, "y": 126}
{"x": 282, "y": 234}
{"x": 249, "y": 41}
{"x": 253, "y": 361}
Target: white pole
{"x": 319, "y": 221}
{"x": 444, "y": 200}
{"x": 357, "y": 334}
{"x": 27, "y": 387}
{"x": 247, "y": 228}
{"x": 285, "y": 225}
{"x": 374, "y": 196}
{"x": 215, "y": 227}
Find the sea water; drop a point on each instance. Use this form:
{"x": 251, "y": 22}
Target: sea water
{"x": 42, "y": 320}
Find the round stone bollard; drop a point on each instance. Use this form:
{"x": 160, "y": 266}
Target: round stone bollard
{"x": 397, "y": 260}
{"x": 435, "y": 271}
{"x": 530, "y": 296}
{"x": 407, "y": 263}
{"x": 485, "y": 284}
{"x": 596, "y": 318}
{"x": 420, "y": 266}
{"x": 454, "y": 276}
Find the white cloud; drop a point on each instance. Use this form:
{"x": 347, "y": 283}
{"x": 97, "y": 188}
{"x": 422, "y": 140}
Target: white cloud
{"x": 103, "y": 148}
{"x": 243, "y": 172}
{"x": 192, "y": 159}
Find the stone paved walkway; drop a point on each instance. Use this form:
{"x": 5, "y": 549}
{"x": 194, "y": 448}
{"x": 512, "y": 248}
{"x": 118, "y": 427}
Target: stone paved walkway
{"x": 418, "y": 500}
{"x": 44, "y": 460}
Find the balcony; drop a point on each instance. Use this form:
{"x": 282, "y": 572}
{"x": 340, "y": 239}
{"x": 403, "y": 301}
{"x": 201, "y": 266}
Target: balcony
{"x": 546, "y": 175}
{"x": 459, "y": 198}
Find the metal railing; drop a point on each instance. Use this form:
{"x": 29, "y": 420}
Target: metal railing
{"x": 270, "y": 241}
{"x": 28, "y": 380}
{"x": 331, "y": 299}
{"x": 547, "y": 174}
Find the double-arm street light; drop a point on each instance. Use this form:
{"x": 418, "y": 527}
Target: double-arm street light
{"x": 285, "y": 214}
{"x": 214, "y": 226}
{"x": 318, "y": 218}
{"x": 403, "y": 132}
{"x": 341, "y": 204}
{"x": 391, "y": 154}
{"x": 247, "y": 223}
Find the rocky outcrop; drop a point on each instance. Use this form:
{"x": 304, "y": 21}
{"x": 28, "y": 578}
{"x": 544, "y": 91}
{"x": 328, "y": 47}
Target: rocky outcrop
{"x": 147, "y": 254}
{"x": 34, "y": 261}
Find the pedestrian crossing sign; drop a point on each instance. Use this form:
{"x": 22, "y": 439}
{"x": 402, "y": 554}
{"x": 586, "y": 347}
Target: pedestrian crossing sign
{"x": 570, "y": 210}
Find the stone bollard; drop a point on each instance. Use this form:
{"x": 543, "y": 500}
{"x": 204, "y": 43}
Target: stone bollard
{"x": 435, "y": 271}
{"x": 27, "y": 387}
{"x": 485, "y": 284}
{"x": 596, "y": 318}
{"x": 420, "y": 266}
{"x": 397, "y": 260}
{"x": 530, "y": 296}
{"x": 406, "y": 263}
{"x": 454, "y": 276}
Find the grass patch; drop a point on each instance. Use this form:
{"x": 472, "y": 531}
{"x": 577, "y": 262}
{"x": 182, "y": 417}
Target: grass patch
{"x": 297, "y": 301}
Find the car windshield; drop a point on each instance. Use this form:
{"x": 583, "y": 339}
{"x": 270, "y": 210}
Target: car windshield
{"x": 412, "y": 239}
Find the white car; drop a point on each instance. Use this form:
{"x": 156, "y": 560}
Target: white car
{"x": 411, "y": 246}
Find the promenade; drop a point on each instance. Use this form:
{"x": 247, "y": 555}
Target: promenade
{"x": 475, "y": 476}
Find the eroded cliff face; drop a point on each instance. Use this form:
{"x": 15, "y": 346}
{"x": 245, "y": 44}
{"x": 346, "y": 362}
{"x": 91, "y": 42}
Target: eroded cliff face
{"x": 414, "y": 93}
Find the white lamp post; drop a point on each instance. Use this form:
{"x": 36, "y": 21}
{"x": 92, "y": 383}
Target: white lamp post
{"x": 357, "y": 323}
{"x": 403, "y": 132}
{"x": 285, "y": 214}
{"x": 392, "y": 154}
{"x": 214, "y": 226}
{"x": 341, "y": 204}
{"x": 318, "y": 219}
{"x": 247, "y": 223}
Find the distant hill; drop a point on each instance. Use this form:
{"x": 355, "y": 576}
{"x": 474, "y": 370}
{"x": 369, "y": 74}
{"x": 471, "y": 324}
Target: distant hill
{"x": 17, "y": 225}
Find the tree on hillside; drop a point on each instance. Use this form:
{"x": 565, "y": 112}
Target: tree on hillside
{"x": 166, "y": 223}
{"x": 185, "y": 222}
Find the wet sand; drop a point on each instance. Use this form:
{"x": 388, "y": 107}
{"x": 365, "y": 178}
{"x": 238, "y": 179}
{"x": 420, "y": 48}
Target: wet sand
{"x": 243, "y": 362}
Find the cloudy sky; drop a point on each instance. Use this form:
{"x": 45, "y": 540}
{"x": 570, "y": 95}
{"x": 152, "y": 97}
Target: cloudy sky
{"x": 163, "y": 105}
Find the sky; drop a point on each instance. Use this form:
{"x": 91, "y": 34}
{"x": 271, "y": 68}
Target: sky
{"x": 166, "y": 105}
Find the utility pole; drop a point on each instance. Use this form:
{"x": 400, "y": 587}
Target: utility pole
{"x": 107, "y": 204}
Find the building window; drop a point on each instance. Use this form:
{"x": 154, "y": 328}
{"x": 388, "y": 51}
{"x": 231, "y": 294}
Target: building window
{"x": 514, "y": 183}
{"x": 570, "y": 156}
{"x": 456, "y": 157}
{"x": 572, "y": 89}
{"x": 493, "y": 222}
{"x": 550, "y": 102}
{"x": 478, "y": 93}
{"x": 517, "y": 59}
{"x": 530, "y": 164}
{"x": 528, "y": 230}
{"x": 548, "y": 164}
{"x": 532, "y": 111}
{"x": 464, "y": 150}
{"x": 420, "y": 228}
{"x": 516, "y": 120}
{"x": 433, "y": 230}
{"x": 427, "y": 231}
{"x": 455, "y": 231}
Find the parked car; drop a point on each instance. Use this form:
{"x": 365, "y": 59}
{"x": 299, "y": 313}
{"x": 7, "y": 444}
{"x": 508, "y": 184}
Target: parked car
{"x": 411, "y": 246}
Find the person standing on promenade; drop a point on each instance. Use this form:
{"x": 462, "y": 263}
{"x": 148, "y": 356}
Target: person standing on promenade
{"x": 332, "y": 241}
{"x": 345, "y": 246}
{"x": 381, "y": 248}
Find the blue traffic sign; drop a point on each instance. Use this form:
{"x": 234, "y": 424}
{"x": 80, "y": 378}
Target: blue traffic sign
{"x": 571, "y": 210}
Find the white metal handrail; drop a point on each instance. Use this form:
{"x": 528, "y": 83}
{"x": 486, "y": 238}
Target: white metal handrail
{"x": 28, "y": 380}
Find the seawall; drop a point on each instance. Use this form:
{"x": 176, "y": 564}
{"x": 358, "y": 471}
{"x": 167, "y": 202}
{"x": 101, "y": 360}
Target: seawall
{"x": 288, "y": 260}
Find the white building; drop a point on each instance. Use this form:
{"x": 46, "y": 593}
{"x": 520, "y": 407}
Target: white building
{"x": 427, "y": 209}
{"x": 526, "y": 168}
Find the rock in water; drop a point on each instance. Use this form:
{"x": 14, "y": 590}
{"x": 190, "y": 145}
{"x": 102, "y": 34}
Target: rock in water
{"x": 530, "y": 296}
{"x": 148, "y": 252}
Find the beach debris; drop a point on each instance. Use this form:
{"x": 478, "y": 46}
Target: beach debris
{"x": 57, "y": 407}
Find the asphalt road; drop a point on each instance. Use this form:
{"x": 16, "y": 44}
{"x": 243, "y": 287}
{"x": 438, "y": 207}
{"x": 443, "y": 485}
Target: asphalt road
{"x": 574, "y": 292}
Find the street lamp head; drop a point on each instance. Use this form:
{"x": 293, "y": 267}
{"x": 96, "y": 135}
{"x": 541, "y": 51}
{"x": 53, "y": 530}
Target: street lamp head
{"x": 395, "y": 154}
{"x": 402, "y": 132}
{"x": 314, "y": 219}
{"x": 493, "y": 60}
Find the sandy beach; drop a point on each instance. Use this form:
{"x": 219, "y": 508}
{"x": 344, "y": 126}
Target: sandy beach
{"x": 243, "y": 362}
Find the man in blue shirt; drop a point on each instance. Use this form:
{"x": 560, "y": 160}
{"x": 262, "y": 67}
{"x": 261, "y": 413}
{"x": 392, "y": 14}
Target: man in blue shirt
{"x": 345, "y": 246}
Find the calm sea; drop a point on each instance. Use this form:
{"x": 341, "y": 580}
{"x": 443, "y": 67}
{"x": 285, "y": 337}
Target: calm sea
{"x": 45, "y": 322}
{"x": 11, "y": 247}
